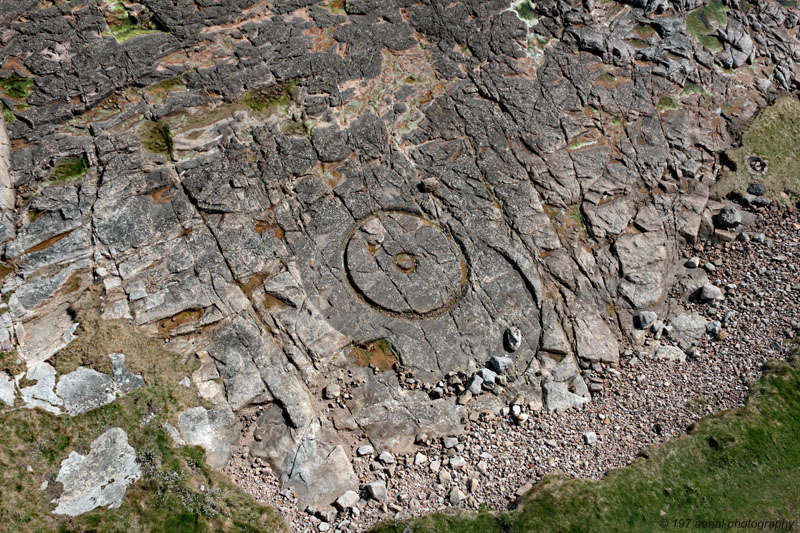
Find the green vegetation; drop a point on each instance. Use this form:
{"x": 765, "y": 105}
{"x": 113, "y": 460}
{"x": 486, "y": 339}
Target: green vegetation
{"x": 71, "y": 169}
{"x": 772, "y": 136}
{"x": 741, "y": 464}
{"x": 379, "y": 354}
{"x": 703, "y": 22}
{"x": 156, "y": 137}
{"x": 177, "y": 491}
{"x": 526, "y": 10}
{"x": 692, "y": 89}
{"x": 8, "y": 115}
{"x": 267, "y": 100}
{"x": 17, "y": 87}
{"x": 336, "y": 6}
{"x": 122, "y": 27}
{"x": 668, "y": 103}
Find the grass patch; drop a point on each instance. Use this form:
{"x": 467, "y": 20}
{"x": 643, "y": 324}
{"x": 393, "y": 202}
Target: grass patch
{"x": 668, "y": 103}
{"x": 741, "y": 464}
{"x": 8, "y": 115}
{"x": 336, "y": 6}
{"x": 71, "y": 169}
{"x": 772, "y": 136}
{"x": 526, "y": 11}
{"x": 703, "y": 22}
{"x": 156, "y": 137}
{"x": 275, "y": 98}
{"x": 122, "y": 27}
{"x": 177, "y": 491}
{"x": 380, "y": 354}
{"x": 17, "y": 87}
{"x": 691, "y": 89}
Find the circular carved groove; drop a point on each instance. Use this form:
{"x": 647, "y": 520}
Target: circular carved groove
{"x": 404, "y": 265}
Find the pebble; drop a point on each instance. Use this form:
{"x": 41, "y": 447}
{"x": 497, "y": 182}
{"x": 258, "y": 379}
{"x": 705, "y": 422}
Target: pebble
{"x": 377, "y": 491}
{"x": 386, "y": 458}
{"x": 500, "y": 364}
{"x": 365, "y": 449}
{"x": 456, "y": 496}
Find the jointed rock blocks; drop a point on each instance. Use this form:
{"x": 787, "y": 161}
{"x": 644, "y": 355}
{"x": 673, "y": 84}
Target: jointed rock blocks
{"x": 424, "y": 179}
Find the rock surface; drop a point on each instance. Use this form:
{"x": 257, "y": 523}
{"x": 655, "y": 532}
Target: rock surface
{"x": 370, "y": 196}
{"x": 99, "y": 478}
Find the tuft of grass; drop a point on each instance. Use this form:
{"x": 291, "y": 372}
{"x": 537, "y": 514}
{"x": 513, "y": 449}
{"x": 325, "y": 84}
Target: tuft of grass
{"x": 772, "y": 135}
{"x": 703, "y": 22}
{"x": 668, "y": 103}
{"x": 336, "y": 6}
{"x": 70, "y": 169}
{"x": 526, "y": 10}
{"x": 177, "y": 491}
{"x": 267, "y": 100}
{"x": 156, "y": 137}
{"x": 16, "y": 86}
{"x": 122, "y": 28}
{"x": 692, "y": 89}
{"x": 741, "y": 464}
{"x": 8, "y": 115}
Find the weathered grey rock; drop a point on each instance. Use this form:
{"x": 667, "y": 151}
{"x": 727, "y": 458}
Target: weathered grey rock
{"x": 757, "y": 189}
{"x": 332, "y": 391}
{"x": 475, "y": 384}
{"x": 456, "y": 496}
{"x": 347, "y": 500}
{"x": 42, "y": 394}
{"x": 590, "y": 438}
{"x": 216, "y": 430}
{"x": 728, "y": 218}
{"x": 709, "y": 293}
{"x": 488, "y": 376}
{"x": 645, "y": 319}
{"x": 377, "y": 491}
{"x": 386, "y": 458}
{"x": 7, "y": 389}
{"x": 553, "y": 338}
{"x": 312, "y": 461}
{"x": 365, "y": 449}
{"x": 512, "y": 338}
{"x": 558, "y": 397}
{"x": 85, "y": 389}
{"x": 500, "y": 364}
{"x": 594, "y": 339}
{"x": 99, "y": 478}
{"x": 687, "y": 329}
{"x": 124, "y": 379}
{"x": 670, "y": 353}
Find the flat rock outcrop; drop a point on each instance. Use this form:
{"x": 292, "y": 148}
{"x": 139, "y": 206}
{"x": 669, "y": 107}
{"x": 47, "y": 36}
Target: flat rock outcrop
{"x": 369, "y": 196}
{"x": 99, "y": 478}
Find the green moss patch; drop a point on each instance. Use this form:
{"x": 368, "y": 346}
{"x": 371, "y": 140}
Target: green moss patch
{"x": 177, "y": 491}
{"x": 156, "y": 137}
{"x": 668, "y": 103}
{"x": 741, "y": 464}
{"x": 336, "y": 6}
{"x": 773, "y": 136}
{"x": 8, "y": 115}
{"x": 122, "y": 27}
{"x": 17, "y": 87}
{"x": 525, "y": 10}
{"x": 71, "y": 169}
{"x": 703, "y": 22}
{"x": 267, "y": 100}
